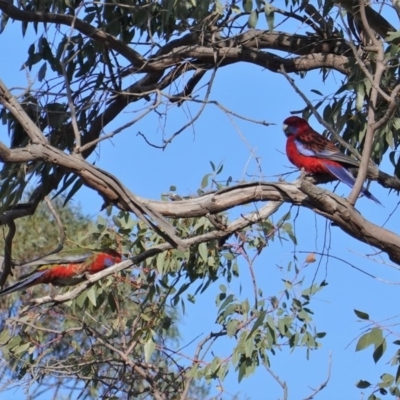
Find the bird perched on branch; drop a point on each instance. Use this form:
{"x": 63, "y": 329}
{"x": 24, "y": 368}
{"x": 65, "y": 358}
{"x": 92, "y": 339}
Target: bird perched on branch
{"x": 314, "y": 153}
{"x": 66, "y": 268}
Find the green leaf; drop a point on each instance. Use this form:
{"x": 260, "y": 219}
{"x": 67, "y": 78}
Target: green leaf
{"x": 363, "y": 384}
{"x": 379, "y": 351}
{"x": 204, "y": 181}
{"x": 77, "y": 185}
{"x": 91, "y": 294}
{"x": 42, "y": 72}
{"x": 294, "y": 340}
{"x": 387, "y": 380}
{"x": 231, "y": 327}
{"x": 253, "y": 19}
{"x": 361, "y": 314}
{"x": 392, "y": 36}
{"x": 258, "y": 323}
{"x": 247, "y": 6}
{"x": 203, "y": 251}
{"x": 21, "y": 349}
{"x": 149, "y": 348}
{"x": 373, "y": 337}
{"x": 4, "y": 336}
{"x": 3, "y": 22}
{"x": 228, "y": 300}
{"x": 236, "y": 9}
{"x": 316, "y": 92}
{"x": 81, "y": 299}
{"x": 315, "y": 288}
{"x": 360, "y": 96}
{"x": 270, "y": 16}
{"x": 160, "y": 262}
{"x": 398, "y": 375}
{"x": 364, "y": 342}
{"x": 376, "y": 336}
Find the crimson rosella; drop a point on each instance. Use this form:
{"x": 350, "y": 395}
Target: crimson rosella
{"x": 68, "y": 268}
{"x": 314, "y": 153}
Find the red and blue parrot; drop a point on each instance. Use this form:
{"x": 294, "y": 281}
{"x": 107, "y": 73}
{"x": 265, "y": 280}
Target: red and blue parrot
{"x": 66, "y": 268}
{"x": 314, "y": 153}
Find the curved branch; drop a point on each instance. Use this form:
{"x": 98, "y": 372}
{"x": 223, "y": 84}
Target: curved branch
{"x": 230, "y": 55}
{"x": 324, "y": 384}
{"x": 107, "y": 185}
{"x": 236, "y": 225}
{"x": 321, "y": 201}
{"x": 288, "y": 42}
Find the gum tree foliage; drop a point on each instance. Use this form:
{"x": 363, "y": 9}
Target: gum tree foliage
{"x": 39, "y": 234}
{"x": 105, "y": 338}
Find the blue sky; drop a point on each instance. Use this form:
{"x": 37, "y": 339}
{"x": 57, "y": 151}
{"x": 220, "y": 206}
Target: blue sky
{"x": 253, "y": 152}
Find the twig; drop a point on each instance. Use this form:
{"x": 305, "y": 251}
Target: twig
{"x": 60, "y": 225}
{"x": 196, "y": 359}
{"x": 242, "y": 117}
{"x": 283, "y": 385}
{"x": 139, "y": 370}
{"x": 7, "y": 262}
{"x": 12, "y": 105}
{"x": 189, "y": 87}
{"x": 236, "y": 225}
{"x": 390, "y": 110}
{"x": 91, "y": 144}
{"x": 61, "y": 229}
{"x": 369, "y": 136}
{"x": 361, "y": 64}
{"x": 71, "y": 104}
{"x": 335, "y": 135}
{"x": 352, "y": 266}
{"x": 324, "y": 383}
{"x": 174, "y": 135}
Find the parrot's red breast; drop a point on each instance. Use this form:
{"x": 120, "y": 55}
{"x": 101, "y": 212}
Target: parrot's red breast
{"x": 315, "y": 154}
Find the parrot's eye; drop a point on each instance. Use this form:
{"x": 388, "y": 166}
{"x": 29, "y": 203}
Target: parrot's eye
{"x": 289, "y": 129}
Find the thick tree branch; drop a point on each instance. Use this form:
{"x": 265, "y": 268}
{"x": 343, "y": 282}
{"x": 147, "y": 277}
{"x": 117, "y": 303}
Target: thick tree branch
{"x": 321, "y": 201}
{"x": 230, "y": 55}
{"x": 12, "y": 105}
{"x": 331, "y": 206}
{"x": 104, "y": 183}
{"x": 235, "y": 226}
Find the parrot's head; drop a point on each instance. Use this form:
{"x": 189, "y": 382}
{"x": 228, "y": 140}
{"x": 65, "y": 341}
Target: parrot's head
{"x": 295, "y": 125}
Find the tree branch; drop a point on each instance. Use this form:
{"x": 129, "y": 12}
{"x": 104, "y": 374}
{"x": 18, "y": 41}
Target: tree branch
{"x": 321, "y": 201}
{"x": 324, "y": 383}
{"x": 376, "y": 80}
{"x": 236, "y": 225}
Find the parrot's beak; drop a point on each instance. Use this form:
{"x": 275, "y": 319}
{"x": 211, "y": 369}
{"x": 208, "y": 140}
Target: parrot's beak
{"x": 285, "y": 129}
